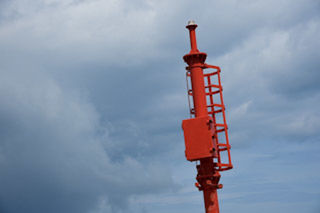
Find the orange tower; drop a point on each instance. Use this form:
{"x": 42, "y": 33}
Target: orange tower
{"x": 206, "y": 132}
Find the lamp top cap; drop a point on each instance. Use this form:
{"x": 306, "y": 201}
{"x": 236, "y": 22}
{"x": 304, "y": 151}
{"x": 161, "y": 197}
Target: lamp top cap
{"x": 191, "y": 22}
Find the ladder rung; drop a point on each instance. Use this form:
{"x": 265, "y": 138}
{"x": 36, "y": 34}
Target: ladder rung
{"x": 214, "y": 112}
{"x": 210, "y": 74}
{"x": 224, "y": 164}
{"x": 218, "y": 111}
{"x": 224, "y": 145}
{"x": 213, "y": 85}
{"x": 216, "y": 105}
{"x": 210, "y": 112}
{"x": 212, "y": 93}
{"x": 222, "y": 125}
{"x": 221, "y": 130}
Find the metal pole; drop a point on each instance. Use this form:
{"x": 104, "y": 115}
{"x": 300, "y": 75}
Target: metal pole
{"x": 208, "y": 177}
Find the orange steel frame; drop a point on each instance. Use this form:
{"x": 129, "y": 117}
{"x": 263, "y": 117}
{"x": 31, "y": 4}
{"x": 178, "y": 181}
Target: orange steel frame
{"x": 207, "y": 118}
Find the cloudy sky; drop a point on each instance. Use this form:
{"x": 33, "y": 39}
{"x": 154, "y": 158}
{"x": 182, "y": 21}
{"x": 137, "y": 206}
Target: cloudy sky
{"x": 93, "y": 94}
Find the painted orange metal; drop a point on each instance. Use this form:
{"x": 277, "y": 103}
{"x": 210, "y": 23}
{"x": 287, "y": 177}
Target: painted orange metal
{"x": 198, "y": 133}
{"x": 206, "y": 140}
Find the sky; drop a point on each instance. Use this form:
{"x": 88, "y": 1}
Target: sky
{"x": 93, "y": 94}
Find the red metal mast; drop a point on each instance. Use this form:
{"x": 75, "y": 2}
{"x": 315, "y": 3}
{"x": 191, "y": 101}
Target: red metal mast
{"x": 205, "y": 133}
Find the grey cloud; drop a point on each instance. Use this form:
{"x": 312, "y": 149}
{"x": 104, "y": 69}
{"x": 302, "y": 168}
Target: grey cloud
{"x": 273, "y": 83}
{"x": 52, "y": 155}
{"x": 110, "y": 92}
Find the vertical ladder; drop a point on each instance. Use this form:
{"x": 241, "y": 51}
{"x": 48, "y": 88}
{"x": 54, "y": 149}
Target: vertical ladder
{"x": 216, "y": 109}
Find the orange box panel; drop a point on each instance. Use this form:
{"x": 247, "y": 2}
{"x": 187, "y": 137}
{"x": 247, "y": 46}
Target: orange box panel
{"x": 198, "y": 138}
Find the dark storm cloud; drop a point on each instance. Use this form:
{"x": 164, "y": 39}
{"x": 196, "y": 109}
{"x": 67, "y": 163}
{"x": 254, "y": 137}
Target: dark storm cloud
{"x": 93, "y": 93}
{"x": 52, "y": 156}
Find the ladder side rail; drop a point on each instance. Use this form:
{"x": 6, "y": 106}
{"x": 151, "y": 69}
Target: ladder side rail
{"x": 222, "y": 166}
{"x": 224, "y": 120}
{"x": 213, "y": 117}
{"x": 188, "y": 89}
